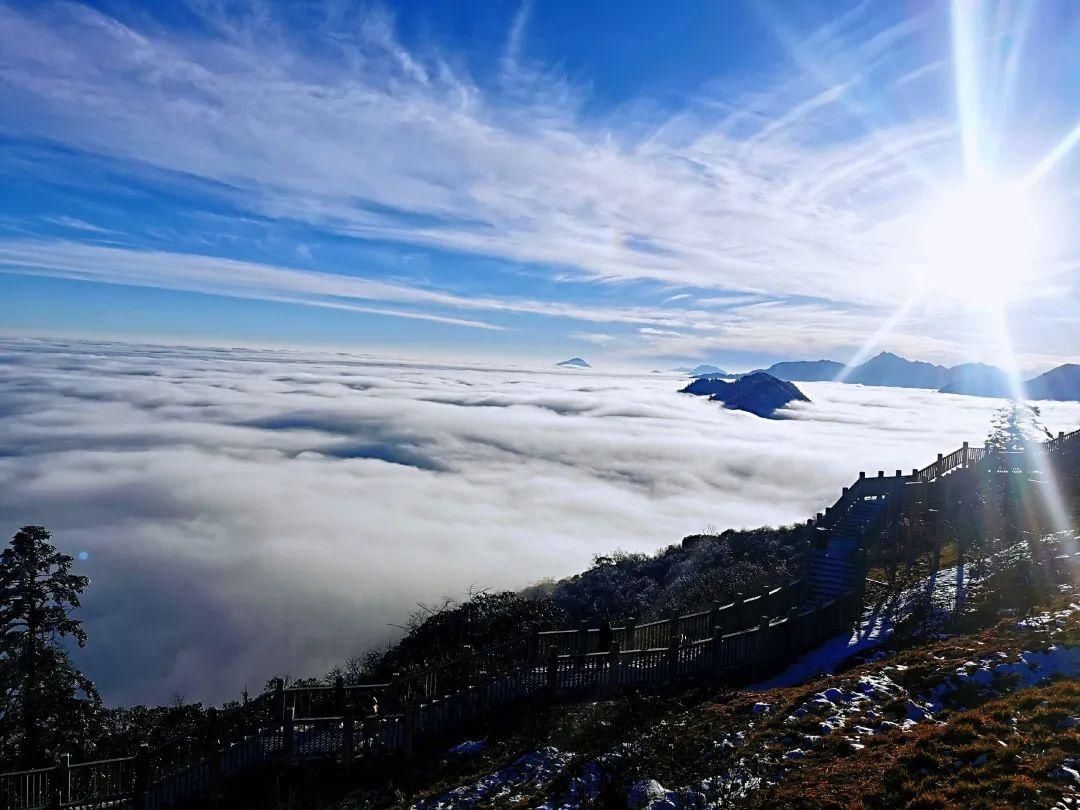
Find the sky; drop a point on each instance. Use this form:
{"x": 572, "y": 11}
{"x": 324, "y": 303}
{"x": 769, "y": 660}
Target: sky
{"x": 243, "y": 514}
{"x": 639, "y": 184}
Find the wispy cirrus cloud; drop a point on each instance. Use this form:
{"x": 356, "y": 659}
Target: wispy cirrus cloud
{"x": 371, "y": 140}
{"x": 798, "y": 187}
{"x": 230, "y": 277}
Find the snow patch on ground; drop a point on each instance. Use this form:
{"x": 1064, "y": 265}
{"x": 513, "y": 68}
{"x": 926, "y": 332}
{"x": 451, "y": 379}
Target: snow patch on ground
{"x": 529, "y": 774}
{"x": 468, "y": 748}
{"x": 942, "y": 590}
{"x": 992, "y": 677}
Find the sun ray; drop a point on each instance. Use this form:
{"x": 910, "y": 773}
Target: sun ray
{"x": 880, "y": 334}
{"x": 1053, "y": 157}
{"x": 966, "y": 77}
{"x": 1053, "y": 500}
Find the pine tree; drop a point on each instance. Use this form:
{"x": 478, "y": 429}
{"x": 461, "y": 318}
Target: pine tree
{"x": 46, "y": 705}
{"x": 1016, "y": 427}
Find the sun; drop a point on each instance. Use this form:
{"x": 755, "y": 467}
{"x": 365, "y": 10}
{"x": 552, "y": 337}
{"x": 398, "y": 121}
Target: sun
{"x": 979, "y": 244}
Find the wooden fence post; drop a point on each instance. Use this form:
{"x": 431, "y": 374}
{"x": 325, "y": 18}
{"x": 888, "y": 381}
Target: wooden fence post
{"x": 60, "y": 790}
{"x": 394, "y": 692}
{"x": 552, "y": 670}
{"x": 718, "y": 650}
{"x": 614, "y": 665}
{"x": 673, "y": 657}
{"x": 673, "y": 626}
{"x": 764, "y": 649}
{"x": 532, "y": 644}
{"x": 483, "y": 694}
{"x": 583, "y": 637}
{"x": 348, "y": 726}
{"x": 289, "y": 731}
{"x": 714, "y": 617}
{"x": 467, "y": 658}
{"x": 738, "y": 611}
{"x": 142, "y": 775}
{"x": 339, "y": 696}
{"x": 410, "y": 723}
{"x": 213, "y": 754}
{"x": 279, "y": 697}
{"x": 629, "y": 642}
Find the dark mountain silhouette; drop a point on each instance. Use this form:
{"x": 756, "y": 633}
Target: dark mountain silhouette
{"x": 977, "y": 380}
{"x": 574, "y": 362}
{"x": 1061, "y": 383}
{"x": 806, "y": 370}
{"x": 757, "y": 393}
{"x": 892, "y": 370}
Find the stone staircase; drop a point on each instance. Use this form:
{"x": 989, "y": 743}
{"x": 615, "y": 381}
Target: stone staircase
{"x": 834, "y": 567}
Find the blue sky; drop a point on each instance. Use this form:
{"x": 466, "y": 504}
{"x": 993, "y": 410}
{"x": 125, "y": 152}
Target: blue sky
{"x": 635, "y": 183}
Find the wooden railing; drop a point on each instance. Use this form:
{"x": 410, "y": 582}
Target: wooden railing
{"x": 68, "y": 785}
{"x": 1002, "y": 461}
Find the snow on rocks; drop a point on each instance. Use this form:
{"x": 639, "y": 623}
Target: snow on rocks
{"x": 468, "y": 748}
{"x": 648, "y": 794}
{"x": 857, "y": 709}
{"x": 760, "y": 708}
{"x": 994, "y": 676}
{"x": 1068, "y": 770}
{"x": 1048, "y": 621}
{"x": 528, "y": 774}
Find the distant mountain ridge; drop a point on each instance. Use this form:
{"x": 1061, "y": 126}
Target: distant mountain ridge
{"x": 1061, "y": 383}
{"x": 805, "y": 370}
{"x": 972, "y": 379}
{"x": 977, "y": 380}
{"x": 702, "y": 370}
{"x": 894, "y": 371}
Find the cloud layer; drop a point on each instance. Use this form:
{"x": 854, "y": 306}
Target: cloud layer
{"x": 247, "y": 513}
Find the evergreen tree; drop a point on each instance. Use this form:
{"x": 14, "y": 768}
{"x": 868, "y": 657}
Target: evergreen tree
{"x": 46, "y": 705}
{"x": 1016, "y": 426}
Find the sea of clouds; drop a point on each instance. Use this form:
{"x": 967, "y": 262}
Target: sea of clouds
{"x": 246, "y": 513}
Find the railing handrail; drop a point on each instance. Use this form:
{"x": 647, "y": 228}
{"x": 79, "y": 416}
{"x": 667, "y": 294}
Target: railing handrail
{"x": 94, "y": 762}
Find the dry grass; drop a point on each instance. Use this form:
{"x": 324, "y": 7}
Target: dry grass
{"x": 1006, "y": 753}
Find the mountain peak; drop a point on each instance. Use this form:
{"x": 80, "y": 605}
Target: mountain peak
{"x": 758, "y": 393}
{"x": 574, "y": 362}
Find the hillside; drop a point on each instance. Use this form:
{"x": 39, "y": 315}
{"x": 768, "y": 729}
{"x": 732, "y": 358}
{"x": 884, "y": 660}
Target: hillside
{"x": 972, "y": 704}
{"x": 1061, "y": 383}
{"x": 889, "y": 369}
{"x": 760, "y": 394}
{"x": 971, "y": 379}
{"x": 977, "y": 380}
{"x": 806, "y": 370}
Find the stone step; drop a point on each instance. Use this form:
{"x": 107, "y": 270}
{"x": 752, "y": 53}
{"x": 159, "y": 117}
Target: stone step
{"x": 841, "y": 573}
{"x": 832, "y": 570}
{"x": 838, "y": 572}
{"x": 832, "y": 562}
